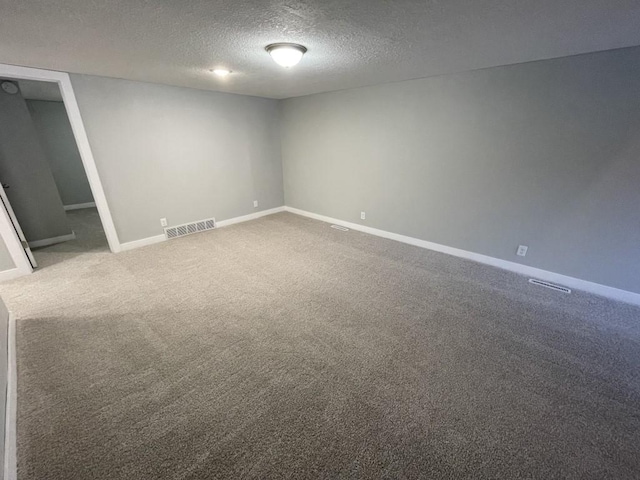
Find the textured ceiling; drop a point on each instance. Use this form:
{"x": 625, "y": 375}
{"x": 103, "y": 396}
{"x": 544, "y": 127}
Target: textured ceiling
{"x": 351, "y": 43}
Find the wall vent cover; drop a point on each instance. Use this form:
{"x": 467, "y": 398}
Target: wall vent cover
{"x": 340, "y": 227}
{"x": 189, "y": 228}
{"x": 552, "y": 286}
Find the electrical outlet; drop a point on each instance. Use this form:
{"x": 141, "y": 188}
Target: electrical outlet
{"x": 163, "y": 222}
{"x": 362, "y": 216}
{"x": 522, "y": 250}
{"x": 255, "y": 204}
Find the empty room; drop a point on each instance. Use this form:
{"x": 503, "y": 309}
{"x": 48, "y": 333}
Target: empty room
{"x": 319, "y": 239}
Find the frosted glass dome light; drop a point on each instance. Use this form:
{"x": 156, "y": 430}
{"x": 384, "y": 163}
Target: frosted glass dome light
{"x": 286, "y": 54}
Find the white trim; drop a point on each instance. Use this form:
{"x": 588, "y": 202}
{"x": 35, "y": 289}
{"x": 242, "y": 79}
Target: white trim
{"x": 10, "y": 419}
{"x": 251, "y": 216}
{"x": 78, "y": 206}
{"x": 45, "y": 242}
{"x": 571, "y": 282}
{"x": 224, "y": 223}
{"x": 142, "y": 242}
{"x": 14, "y": 246}
{"x": 10, "y": 274}
{"x": 73, "y": 112}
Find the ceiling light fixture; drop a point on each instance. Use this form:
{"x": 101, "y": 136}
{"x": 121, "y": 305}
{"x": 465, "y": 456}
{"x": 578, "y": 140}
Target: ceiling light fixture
{"x": 221, "y": 72}
{"x": 286, "y": 54}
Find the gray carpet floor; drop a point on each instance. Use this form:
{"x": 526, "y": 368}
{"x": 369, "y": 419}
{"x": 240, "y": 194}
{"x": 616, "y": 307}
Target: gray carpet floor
{"x": 282, "y": 348}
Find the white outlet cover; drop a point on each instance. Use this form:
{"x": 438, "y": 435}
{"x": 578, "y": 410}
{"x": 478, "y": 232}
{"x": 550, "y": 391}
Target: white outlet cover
{"x": 522, "y": 250}
{"x": 362, "y": 216}
{"x": 255, "y": 203}
{"x": 163, "y": 222}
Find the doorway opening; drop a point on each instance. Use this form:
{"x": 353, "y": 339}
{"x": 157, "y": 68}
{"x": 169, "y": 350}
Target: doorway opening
{"x": 52, "y": 205}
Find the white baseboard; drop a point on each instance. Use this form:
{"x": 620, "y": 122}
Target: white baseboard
{"x": 571, "y": 282}
{"x": 11, "y": 274}
{"x": 78, "y": 206}
{"x": 223, "y": 223}
{"x": 45, "y": 242}
{"x": 142, "y": 242}
{"x": 10, "y": 421}
{"x": 251, "y": 216}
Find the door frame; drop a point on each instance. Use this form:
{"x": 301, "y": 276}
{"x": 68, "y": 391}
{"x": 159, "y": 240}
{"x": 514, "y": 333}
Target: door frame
{"x": 13, "y": 72}
{"x": 16, "y": 226}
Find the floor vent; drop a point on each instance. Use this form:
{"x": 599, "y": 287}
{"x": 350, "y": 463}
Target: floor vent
{"x": 552, "y": 286}
{"x": 340, "y": 227}
{"x": 189, "y": 228}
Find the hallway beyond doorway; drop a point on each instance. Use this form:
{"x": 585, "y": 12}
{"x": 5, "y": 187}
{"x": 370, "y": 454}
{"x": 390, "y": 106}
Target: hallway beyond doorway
{"x": 90, "y": 237}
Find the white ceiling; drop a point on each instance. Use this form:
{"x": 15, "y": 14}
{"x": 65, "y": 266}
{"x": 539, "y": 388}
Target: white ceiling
{"x": 351, "y": 43}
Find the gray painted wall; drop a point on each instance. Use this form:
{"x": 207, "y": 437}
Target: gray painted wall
{"x": 545, "y": 154}
{"x": 23, "y": 165}
{"x": 179, "y": 153}
{"x": 53, "y": 127}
